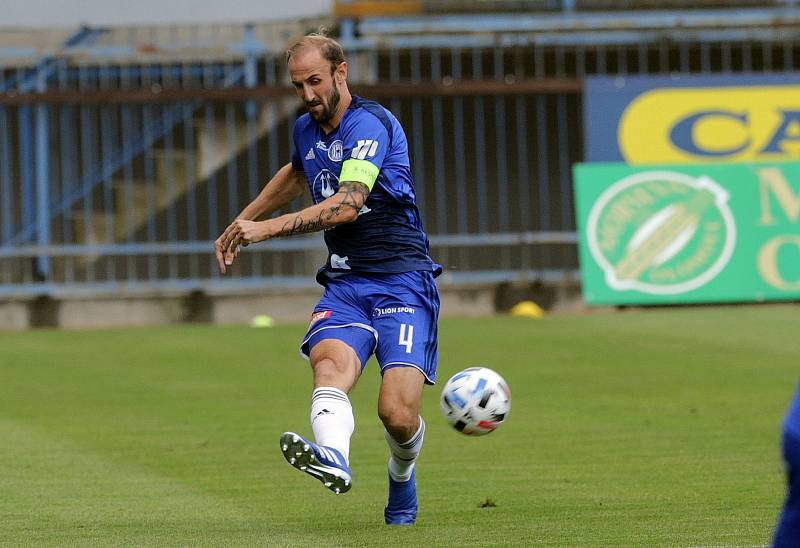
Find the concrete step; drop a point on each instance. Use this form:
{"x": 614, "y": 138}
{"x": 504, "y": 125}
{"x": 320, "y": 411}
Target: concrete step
{"x": 217, "y": 145}
{"x": 135, "y": 201}
{"x": 92, "y": 227}
{"x": 130, "y": 195}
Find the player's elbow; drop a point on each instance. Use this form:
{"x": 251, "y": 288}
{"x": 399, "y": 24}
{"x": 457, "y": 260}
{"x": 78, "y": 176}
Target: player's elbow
{"x": 350, "y": 199}
{"x": 347, "y": 214}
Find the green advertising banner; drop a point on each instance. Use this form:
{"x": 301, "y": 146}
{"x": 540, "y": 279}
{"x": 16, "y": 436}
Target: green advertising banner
{"x": 688, "y": 234}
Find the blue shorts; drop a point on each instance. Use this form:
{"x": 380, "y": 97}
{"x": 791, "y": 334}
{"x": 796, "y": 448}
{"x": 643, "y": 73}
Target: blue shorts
{"x": 393, "y": 316}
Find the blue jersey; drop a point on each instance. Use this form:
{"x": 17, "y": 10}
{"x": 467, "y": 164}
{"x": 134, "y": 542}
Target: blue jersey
{"x": 387, "y": 236}
{"x": 787, "y": 533}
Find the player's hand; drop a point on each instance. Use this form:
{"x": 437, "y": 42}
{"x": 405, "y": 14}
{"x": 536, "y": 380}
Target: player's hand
{"x": 240, "y": 233}
{"x": 243, "y": 233}
{"x": 224, "y": 257}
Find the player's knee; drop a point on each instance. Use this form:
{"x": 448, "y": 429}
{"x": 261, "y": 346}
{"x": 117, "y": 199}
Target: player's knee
{"x": 401, "y": 422}
{"x": 329, "y": 372}
{"x": 326, "y": 368}
{"x": 334, "y": 364}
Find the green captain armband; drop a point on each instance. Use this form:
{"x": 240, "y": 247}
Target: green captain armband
{"x": 360, "y": 171}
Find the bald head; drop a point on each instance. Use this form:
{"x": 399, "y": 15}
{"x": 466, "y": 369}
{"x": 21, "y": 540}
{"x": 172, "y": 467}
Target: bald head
{"x": 330, "y": 50}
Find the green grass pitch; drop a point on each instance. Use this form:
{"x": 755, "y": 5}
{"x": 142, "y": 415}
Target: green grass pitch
{"x": 633, "y": 428}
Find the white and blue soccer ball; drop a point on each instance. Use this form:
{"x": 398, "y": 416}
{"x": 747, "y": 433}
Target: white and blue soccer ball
{"x": 476, "y": 401}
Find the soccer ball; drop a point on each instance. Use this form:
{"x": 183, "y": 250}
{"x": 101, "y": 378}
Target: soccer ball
{"x": 476, "y": 401}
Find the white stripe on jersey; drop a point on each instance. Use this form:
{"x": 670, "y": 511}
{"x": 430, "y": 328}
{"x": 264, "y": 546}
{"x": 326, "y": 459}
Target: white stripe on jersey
{"x": 364, "y": 148}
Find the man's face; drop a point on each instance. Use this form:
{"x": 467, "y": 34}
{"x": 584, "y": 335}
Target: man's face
{"x": 314, "y": 83}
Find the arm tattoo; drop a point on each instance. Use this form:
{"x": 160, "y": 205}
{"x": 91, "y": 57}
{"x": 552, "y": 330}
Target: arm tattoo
{"x": 354, "y": 195}
{"x": 298, "y": 226}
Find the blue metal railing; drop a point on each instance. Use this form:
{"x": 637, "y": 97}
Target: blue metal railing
{"x": 111, "y": 163}
{"x": 37, "y": 80}
{"x": 113, "y": 160}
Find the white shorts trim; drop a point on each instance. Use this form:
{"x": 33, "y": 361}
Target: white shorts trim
{"x": 355, "y": 324}
{"x": 406, "y": 364}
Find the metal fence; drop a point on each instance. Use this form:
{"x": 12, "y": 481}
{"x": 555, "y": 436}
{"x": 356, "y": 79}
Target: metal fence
{"x": 118, "y": 176}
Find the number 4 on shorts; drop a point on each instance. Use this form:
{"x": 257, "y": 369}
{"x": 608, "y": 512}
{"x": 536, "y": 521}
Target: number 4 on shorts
{"x": 406, "y": 336}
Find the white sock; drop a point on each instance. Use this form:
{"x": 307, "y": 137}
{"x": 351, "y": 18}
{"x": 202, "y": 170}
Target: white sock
{"x": 332, "y": 419}
{"x": 404, "y": 455}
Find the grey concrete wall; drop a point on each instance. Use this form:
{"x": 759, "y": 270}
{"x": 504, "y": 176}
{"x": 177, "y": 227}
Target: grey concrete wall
{"x": 229, "y": 309}
{"x": 14, "y": 315}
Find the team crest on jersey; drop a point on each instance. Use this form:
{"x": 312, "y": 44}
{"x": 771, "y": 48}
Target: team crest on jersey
{"x": 335, "y": 150}
{"x": 321, "y": 315}
{"x": 326, "y": 182}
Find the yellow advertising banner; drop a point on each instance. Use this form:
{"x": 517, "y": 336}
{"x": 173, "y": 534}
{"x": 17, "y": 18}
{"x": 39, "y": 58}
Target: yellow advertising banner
{"x": 693, "y": 119}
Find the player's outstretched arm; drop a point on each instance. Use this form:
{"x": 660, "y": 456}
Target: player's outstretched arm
{"x": 285, "y": 186}
{"x": 342, "y": 207}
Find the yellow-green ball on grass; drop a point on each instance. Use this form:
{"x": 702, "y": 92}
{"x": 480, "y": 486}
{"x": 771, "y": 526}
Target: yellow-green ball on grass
{"x": 262, "y": 320}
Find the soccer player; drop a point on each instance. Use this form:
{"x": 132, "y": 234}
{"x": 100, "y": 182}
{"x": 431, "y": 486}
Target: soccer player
{"x": 787, "y": 534}
{"x": 380, "y": 296}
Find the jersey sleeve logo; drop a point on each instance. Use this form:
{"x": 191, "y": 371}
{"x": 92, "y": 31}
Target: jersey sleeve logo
{"x": 365, "y": 148}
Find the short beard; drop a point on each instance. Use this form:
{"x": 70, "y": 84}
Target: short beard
{"x": 330, "y": 109}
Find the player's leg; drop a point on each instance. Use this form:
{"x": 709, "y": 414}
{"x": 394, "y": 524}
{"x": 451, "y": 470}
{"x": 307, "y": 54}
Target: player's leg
{"x": 407, "y": 353}
{"x": 338, "y": 343}
{"x": 788, "y": 531}
{"x": 399, "y": 409}
{"x": 336, "y": 368}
